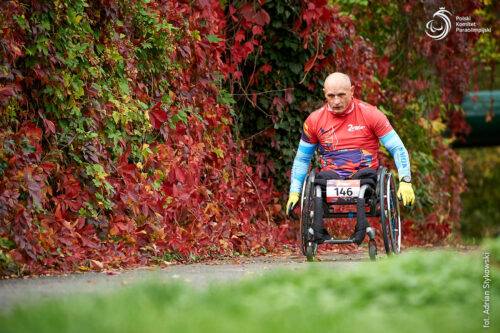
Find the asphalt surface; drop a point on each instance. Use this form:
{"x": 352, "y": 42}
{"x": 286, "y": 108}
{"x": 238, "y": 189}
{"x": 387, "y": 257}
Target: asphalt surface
{"x": 33, "y": 290}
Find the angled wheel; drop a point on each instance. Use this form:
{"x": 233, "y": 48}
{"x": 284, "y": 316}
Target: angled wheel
{"x": 394, "y": 215}
{"x": 389, "y": 213}
{"x": 308, "y": 246}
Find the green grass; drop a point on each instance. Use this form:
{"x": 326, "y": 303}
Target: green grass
{"x": 415, "y": 292}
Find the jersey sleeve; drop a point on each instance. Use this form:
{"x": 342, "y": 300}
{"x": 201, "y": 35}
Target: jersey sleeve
{"x": 395, "y": 146}
{"x": 309, "y": 131}
{"x": 379, "y": 123}
{"x": 301, "y": 165}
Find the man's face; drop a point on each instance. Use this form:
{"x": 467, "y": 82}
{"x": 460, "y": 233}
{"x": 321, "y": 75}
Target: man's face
{"x": 338, "y": 97}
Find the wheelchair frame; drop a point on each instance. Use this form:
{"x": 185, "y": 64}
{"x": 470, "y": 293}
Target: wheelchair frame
{"x": 383, "y": 203}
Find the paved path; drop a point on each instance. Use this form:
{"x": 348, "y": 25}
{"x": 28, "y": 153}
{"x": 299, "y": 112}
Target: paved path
{"x": 13, "y": 291}
{"x": 23, "y": 290}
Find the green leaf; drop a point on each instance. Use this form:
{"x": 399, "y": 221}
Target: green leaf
{"x": 213, "y": 38}
{"x": 21, "y": 21}
{"x": 219, "y": 153}
{"x": 124, "y": 88}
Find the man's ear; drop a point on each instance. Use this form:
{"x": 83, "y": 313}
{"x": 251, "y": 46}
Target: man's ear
{"x": 352, "y": 91}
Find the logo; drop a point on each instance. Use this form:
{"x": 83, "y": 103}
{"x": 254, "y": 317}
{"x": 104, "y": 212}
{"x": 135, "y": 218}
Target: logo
{"x": 440, "y": 26}
{"x": 352, "y": 128}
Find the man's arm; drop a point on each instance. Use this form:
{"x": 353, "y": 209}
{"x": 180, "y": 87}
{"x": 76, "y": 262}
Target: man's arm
{"x": 301, "y": 165}
{"x": 299, "y": 172}
{"x": 395, "y": 146}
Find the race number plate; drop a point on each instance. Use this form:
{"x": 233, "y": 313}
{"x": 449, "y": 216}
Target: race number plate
{"x": 342, "y": 189}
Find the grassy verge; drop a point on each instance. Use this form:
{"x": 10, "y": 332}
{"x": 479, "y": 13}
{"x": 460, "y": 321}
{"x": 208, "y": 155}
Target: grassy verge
{"x": 416, "y": 292}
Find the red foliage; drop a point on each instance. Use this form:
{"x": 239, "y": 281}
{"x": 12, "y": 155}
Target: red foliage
{"x": 193, "y": 196}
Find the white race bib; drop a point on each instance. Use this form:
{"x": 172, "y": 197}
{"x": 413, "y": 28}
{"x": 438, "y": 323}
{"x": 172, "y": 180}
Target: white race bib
{"x": 345, "y": 189}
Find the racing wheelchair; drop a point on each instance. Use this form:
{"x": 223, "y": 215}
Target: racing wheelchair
{"x": 380, "y": 199}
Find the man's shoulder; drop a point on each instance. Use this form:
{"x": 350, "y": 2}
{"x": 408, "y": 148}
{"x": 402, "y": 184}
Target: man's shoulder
{"x": 319, "y": 111}
{"x": 365, "y": 107}
{"x": 369, "y": 111}
{"x": 316, "y": 114}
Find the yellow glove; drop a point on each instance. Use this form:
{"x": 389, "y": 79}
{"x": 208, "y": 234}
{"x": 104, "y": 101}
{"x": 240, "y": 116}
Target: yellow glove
{"x": 405, "y": 192}
{"x": 292, "y": 202}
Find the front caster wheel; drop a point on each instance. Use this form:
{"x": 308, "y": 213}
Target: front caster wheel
{"x": 311, "y": 251}
{"x": 372, "y": 250}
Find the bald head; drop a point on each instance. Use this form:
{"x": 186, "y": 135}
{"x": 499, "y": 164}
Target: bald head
{"x": 338, "y": 91}
{"x": 337, "y": 79}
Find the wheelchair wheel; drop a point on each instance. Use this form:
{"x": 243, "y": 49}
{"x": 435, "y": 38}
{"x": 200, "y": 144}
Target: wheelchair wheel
{"x": 390, "y": 217}
{"x": 308, "y": 246}
{"x": 311, "y": 251}
{"x": 372, "y": 249}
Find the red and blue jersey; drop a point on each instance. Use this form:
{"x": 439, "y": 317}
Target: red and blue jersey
{"x": 347, "y": 142}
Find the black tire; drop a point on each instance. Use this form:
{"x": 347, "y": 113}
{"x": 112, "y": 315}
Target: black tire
{"x": 310, "y": 251}
{"x": 306, "y": 206}
{"x": 307, "y": 244}
{"x": 389, "y": 213}
{"x": 382, "y": 186}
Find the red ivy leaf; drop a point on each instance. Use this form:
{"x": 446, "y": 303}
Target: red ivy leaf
{"x": 232, "y": 11}
{"x": 240, "y": 36}
{"x": 237, "y": 75}
{"x": 204, "y": 3}
{"x": 309, "y": 64}
{"x": 34, "y": 190}
{"x": 157, "y": 117}
{"x": 257, "y": 30}
{"x": 32, "y": 131}
{"x": 289, "y": 96}
{"x": 266, "y": 68}
{"x": 262, "y": 17}
{"x": 278, "y": 102}
{"x": 248, "y": 12}
{"x": 6, "y": 92}
{"x": 179, "y": 175}
{"x": 50, "y": 128}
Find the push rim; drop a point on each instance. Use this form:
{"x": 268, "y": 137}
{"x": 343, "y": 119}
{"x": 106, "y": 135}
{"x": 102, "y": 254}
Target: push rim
{"x": 394, "y": 218}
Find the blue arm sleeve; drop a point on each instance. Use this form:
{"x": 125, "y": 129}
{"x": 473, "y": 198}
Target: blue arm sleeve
{"x": 300, "y": 165}
{"x": 395, "y": 146}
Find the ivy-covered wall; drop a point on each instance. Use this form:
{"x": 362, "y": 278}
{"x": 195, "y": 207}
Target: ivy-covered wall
{"x": 115, "y": 142}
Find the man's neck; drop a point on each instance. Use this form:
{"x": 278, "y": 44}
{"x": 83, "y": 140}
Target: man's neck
{"x": 348, "y": 110}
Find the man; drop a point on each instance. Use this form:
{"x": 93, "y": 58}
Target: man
{"x": 347, "y": 132}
